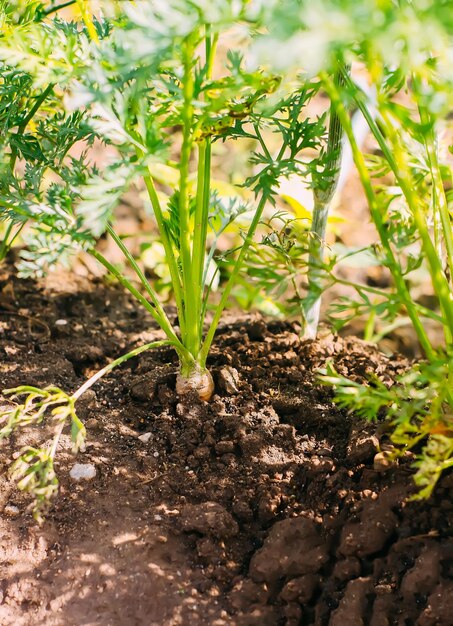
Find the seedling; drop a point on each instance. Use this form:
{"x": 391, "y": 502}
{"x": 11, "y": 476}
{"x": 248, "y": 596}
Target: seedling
{"x": 133, "y": 78}
{"x": 421, "y": 185}
{"x": 411, "y": 214}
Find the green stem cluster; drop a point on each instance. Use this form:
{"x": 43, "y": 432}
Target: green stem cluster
{"x": 323, "y": 197}
{"x": 186, "y": 259}
{"x": 398, "y": 161}
{"x": 359, "y": 160}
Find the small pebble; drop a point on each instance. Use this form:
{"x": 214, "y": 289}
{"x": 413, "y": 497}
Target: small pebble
{"x": 383, "y": 461}
{"x": 11, "y": 510}
{"x": 229, "y": 380}
{"x": 82, "y": 471}
{"x": 145, "y": 437}
{"x": 155, "y": 455}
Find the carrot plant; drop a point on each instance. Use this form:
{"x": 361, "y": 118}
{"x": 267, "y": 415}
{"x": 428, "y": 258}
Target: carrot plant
{"x": 405, "y": 49}
{"x": 413, "y": 213}
{"x": 21, "y": 108}
{"x": 147, "y": 80}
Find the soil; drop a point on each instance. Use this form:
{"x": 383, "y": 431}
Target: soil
{"x": 266, "y": 506}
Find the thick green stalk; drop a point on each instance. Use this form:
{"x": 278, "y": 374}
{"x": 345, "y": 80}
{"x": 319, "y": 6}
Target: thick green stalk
{"x": 440, "y": 203}
{"x": 201, "y": 223}
{"x": 169, "y": 252}
{"x": 227, "y": 289}
{"x": 440, "y": 282}
{"x": 206, "y": 200}
{"x": 203, "y": 196}
{"x": 323, "y": 196}
{"x": 398, "y": 163}
{"x": 362, "y": 169}
{"x": 191, "y": 336}
{"x": 440, "y": 206}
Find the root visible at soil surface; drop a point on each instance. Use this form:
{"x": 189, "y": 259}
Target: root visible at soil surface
{"x": 261, "y": 508}
{"x": 199, "y": 381}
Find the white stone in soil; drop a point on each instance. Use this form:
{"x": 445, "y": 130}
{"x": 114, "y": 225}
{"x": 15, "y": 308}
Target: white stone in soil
{"x": 145, "y": 437}
{"x": 11, "y": 510}
{"x": 82, "y": 471}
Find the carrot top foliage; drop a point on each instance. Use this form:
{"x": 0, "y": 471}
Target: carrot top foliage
{"x": 152, "y": 81}
{"x": 403, "y": 49}
{"x": 149, "y": 80}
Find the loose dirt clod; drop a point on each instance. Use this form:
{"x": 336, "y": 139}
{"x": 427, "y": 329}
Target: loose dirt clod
{"x": 362, "y": 443}
{"x": 208, "y": 518}
{"x": 352, "y": 608}
{"x": 229, "y": 379}
{"x": 294, "y": 547}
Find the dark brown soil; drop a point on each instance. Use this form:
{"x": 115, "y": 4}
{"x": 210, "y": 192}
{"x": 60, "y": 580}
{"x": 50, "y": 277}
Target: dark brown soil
{"x": 259, "y": 509}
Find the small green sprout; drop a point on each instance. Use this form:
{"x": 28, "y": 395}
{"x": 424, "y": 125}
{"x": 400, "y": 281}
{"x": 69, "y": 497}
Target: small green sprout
{"x": 34, "y": 467}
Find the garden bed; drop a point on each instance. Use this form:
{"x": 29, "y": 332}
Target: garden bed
{"x": 267, "y": 506}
